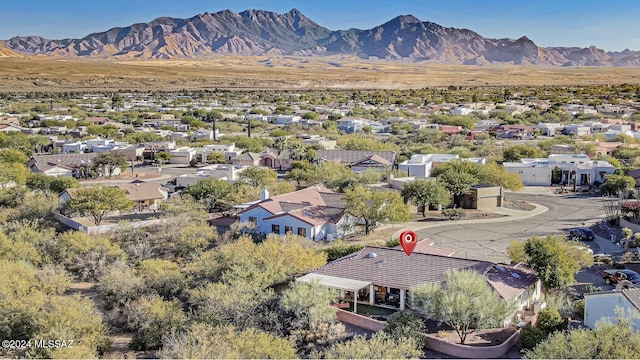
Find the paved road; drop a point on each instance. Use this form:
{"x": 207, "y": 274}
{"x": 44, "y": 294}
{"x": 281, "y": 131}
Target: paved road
{"x": 489, "y": 241}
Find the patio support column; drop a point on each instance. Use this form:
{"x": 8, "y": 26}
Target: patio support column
{"x": 355, "y": 302}
{"x": 372, "y": 295}
{"x": 403, "y": 297}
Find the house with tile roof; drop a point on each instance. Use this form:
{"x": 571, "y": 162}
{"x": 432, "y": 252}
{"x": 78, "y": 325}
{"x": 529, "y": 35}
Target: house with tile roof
{"x": 603, "y": 306}
{"x": 69, "y": 165}
{"x": 316, "y": 213}
{"x": 146, "y": 196}
{"x": 11, "y": 127}
{"x": 386, "y": 277}
{"x": 359, "y": 160}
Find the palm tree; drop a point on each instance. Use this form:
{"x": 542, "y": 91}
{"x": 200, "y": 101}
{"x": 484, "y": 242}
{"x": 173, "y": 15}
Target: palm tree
{"x": 280, "y": 145}
{"x": 297, "y": 150}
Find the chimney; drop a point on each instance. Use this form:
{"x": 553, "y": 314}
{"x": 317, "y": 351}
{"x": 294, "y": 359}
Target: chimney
{"x": 264, "y": 194}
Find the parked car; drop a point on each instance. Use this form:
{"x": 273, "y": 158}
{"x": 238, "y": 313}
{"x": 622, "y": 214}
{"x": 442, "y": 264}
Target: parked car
{"x": 582, "y": 234}
{"x": 612, "y": 277}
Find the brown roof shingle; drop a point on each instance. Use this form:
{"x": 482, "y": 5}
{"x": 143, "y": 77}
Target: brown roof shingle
{"x": 393, "y": 268}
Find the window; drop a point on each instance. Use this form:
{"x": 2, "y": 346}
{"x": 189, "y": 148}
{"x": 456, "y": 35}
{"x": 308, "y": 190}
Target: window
{"x": 288, "y": 229}
{"x": 275, "y": 229}
{"x": 253, "y": 220}
{"x": 302, "y": 232}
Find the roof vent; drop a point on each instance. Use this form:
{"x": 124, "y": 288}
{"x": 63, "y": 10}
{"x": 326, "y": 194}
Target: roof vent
{"x": 517, "y": 276}
{"x": 371, "y": 255}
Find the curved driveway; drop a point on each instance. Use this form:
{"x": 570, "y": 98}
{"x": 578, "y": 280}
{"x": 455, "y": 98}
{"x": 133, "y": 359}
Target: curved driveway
{"x": 489, "y": 241}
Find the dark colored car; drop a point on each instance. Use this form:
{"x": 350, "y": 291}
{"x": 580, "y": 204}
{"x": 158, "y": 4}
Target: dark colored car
{"x": 582, "y": 234}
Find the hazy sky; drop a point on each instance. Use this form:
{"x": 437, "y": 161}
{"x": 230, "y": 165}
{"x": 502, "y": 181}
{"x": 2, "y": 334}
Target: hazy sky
{"x": 610, "y": 25}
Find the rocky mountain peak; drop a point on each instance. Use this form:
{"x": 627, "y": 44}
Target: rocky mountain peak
{"x": 259, "y": 32}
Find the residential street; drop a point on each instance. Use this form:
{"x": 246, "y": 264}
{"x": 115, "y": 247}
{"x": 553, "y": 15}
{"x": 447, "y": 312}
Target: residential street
{"x": 489, "y": 240}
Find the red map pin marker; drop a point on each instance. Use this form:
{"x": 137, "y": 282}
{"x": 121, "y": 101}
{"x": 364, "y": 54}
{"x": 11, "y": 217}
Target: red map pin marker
{"x": 408, "y": 240}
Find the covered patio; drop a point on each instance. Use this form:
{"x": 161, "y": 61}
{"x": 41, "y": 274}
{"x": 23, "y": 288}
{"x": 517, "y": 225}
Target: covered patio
{"x": 345, "y": 286}
{"x": 358, "y": 291}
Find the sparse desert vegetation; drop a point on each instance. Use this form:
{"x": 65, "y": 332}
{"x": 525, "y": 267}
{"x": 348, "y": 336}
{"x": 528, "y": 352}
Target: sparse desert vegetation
{"x": 283, "y": 72}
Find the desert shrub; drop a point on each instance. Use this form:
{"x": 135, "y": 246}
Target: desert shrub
{"x": 392, "y": 243}
{"x": 549, "y": 320}
{"x": 579, "y": 308}
{"x": 119, "y": 285}
{"x": 530, "y": 337}
{"x": 163, "y": 276}
{"x": 155, "y": 318}
{"x": 453, "y": 214}
{"x": 403, "y": 324}
{"x": 85, "y": 256}
{"x": 338, "y": 251}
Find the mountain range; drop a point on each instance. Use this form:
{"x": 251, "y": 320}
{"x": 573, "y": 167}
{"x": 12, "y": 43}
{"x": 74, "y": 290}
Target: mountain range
{"x": 257, "y": 32}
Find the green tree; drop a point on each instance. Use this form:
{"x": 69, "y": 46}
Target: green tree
{"x": 50, "y": 184}
{"x": 607, "y": 341}
{"x": 375, "y": 207}
{"x": 274, "y": 260}
{"x": 614, "y": 185}
{"x": 162, "y": 157}
{"x": 12, "y": 174}
{"x": 424, "y": 193}
{"x": 555, "y": 259}
{"x": 309, "y": 305}
{"x": 530, "y": 337}
{"x": 13, "y": 156}
{"x": 311, "y": 115}
{"x": 458, "y": 183}
{"x": 39, "y": 142}
{"x": 379, "y": 346}
{"x": 465, "y": 302}
{"x": 329, "y": 173}
{"x": 492, "y": 173}
{"x": 211, "y": 192}
{"x": 360, "y": 142}
{"x": 258, "y": 176}
{"x": 280, "y": 145}
{"x": 298, "y": 175}
{"x": 549, "y": 320}
{"x": 517, "y": 152}
{"x": 97, "y": 202}
{"x": 17, "y": 140}
{"x": 216, "y": 157}
{"x": 111, "y": 161}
